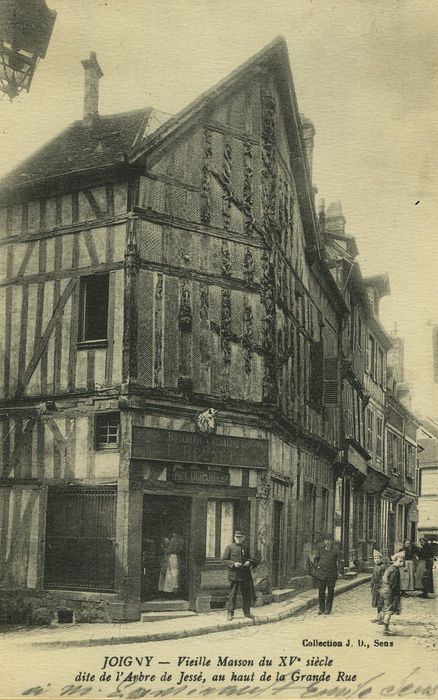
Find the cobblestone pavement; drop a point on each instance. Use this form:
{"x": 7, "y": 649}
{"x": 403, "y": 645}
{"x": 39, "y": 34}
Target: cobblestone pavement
{"x": 367, "y": 664}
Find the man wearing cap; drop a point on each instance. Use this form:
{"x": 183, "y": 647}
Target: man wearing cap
{"x": 326, "y": 572}
{"x": 239, "y": 563}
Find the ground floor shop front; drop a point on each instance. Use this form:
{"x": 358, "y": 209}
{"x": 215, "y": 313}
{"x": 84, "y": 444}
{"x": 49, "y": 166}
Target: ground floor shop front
{"x": 153, "y": 526}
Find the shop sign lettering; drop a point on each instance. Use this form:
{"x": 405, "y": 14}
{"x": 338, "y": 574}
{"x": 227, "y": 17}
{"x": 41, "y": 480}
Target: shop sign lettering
{"x": 193, "y": 475}
{"x": 196, "y": 448}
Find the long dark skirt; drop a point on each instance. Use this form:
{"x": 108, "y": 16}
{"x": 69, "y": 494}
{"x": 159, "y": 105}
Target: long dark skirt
{"x": 424, "y": 576}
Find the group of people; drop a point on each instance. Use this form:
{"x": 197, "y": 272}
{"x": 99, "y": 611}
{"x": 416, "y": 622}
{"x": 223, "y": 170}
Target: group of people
{"x": 410, "y": 568}
{"x": 417, "y": 572}
{"x": 386, "y": 582}
{"x": 237, "y": 558}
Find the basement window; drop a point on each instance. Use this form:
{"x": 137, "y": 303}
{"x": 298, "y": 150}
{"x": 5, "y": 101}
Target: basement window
{"x": 107, "y": 431}
{"x": 93, "y": 319}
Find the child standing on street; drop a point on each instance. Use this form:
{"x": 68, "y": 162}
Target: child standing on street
{"x": 390, "y": 589}
{"x": 376, "y": 582}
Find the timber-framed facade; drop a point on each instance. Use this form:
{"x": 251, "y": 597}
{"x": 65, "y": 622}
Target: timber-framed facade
{"x": 174, "y": 359}
{"x": 173, "y": 267}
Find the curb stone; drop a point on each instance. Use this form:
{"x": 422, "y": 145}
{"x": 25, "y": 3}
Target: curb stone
{"x": 296, "y": 608}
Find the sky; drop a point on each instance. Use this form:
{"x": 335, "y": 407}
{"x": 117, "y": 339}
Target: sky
{"x": 365, "y": 72}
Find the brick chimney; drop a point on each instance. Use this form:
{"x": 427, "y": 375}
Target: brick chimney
{"x": 93, "y": 74}
{"x": 335, "y": 219}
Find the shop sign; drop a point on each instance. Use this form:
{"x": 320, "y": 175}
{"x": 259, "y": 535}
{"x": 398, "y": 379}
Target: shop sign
{"x": 197, "y": 448}
{"x": 198, "y": 475}
{"x": 391, "y": 495}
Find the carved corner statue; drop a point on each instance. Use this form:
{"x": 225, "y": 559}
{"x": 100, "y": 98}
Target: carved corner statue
{"x": 206, "y": 421}
{"x": 239, "y": 563}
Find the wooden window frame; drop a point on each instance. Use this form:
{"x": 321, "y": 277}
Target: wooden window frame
{"x": 84, "y": 337}
{"x": 100, "y": 446}
{"x": 220, "y": 546}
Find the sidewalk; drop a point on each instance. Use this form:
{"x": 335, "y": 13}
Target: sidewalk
{"x": 87, "y": 634}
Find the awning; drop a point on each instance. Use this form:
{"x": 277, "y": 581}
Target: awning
{"x": 356, "y": 460}
{"x": 406, "y": 500}
{"x": 375, "y": 481}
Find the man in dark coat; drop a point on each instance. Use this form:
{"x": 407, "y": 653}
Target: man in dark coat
{"x": 326, "y": 573}
{"x": 239, "y": 563}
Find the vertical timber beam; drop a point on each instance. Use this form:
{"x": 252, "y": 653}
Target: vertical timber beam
{"x": 130, "y": 315}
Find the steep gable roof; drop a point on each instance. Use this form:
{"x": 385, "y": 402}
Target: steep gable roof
{"x": 125, "y": 138}
{"x": 79, "y": 148}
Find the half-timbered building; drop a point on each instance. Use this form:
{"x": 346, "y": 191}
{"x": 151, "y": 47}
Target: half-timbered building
{"x": 170, "y": 335}
{"x": 376, "y": 493}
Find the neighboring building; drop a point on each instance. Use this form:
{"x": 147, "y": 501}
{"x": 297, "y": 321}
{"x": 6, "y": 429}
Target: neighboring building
{"x": 376, "y": 491}
{"x": 428, "y": 477}
{"x": 156, "y": 268}
{"x": 364, "y": 347}
{"x": 399, "y": 507}
{"x": 400, "y": 498}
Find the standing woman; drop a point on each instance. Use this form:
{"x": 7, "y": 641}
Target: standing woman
{"x": 407, "y": 572}
{"x": 390, "y": 589}
{"x": 169, "y": 580}
{"x": 424, "y": 573}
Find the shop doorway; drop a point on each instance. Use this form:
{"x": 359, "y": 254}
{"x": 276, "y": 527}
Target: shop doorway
{"x": 165, "y": 543}
{"x": 276, "y": 542}
{"x": 391, "y": 531}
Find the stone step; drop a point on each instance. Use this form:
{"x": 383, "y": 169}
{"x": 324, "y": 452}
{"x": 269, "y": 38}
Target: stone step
{"x": 300, "y": 583}
{"x": 166, "y": 615}
{"x": 350, "y": 574}
{"x": 162, "y": 605}
{"x": 282, "y": 594}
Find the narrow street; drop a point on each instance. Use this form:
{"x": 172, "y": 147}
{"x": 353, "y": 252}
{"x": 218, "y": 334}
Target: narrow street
{"x": 366, "y": 665}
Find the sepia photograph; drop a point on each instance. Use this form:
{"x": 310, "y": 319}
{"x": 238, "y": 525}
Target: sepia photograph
{"x": 218, "y": 348}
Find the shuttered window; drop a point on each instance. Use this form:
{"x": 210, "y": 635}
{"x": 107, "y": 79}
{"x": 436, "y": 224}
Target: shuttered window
{"x": 330, "y": 381}
{"x": 309, "y": 509}
{"x": 80, "y": 539}
{"x": 379, "y": 436}
{"x": 316, "y": 373}
{"x": 370, "y": 430}
{"x": 348, "y": 410}
{"x": 361, "y": 515}
{"x": 371, "y": 517}
{"x": 324, "y": 510}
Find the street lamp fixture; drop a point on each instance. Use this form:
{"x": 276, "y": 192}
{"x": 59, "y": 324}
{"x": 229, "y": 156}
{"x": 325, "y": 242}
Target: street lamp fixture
{"x": 25, "y": 30}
